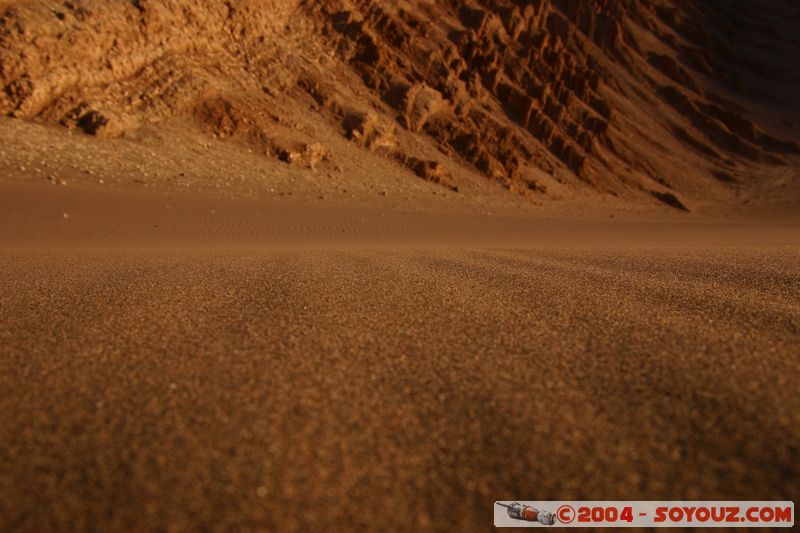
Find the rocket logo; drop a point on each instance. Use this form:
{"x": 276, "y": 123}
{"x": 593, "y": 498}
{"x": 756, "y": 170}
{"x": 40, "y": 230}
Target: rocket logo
{"x": 517, "y": 511}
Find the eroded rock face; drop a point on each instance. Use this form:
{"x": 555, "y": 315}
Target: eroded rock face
{"x": 616, "y": 93}
{"x": 146, "y": 59}
{"x": 370, "y": 130}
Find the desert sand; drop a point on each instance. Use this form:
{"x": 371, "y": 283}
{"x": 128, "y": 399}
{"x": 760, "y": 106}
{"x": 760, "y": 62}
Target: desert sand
{"x": 372, "y": 265}
{"x": 256, "y": 364}
{"x": 399, "y": 389}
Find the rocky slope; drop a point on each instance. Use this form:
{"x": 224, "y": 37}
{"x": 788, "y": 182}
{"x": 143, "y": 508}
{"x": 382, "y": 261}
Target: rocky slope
{"x": 679, "y": 102}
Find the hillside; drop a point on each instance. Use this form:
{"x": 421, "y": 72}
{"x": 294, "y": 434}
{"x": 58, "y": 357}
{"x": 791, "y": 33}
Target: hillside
{"x": 685, "y": 103}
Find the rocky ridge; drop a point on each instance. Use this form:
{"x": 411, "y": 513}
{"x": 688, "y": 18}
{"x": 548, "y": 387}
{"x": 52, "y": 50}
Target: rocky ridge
{"x": 676, "y": 102}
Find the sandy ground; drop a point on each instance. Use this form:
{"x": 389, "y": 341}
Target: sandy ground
{"x": 189, "y": 362}
{"x": 37, "y": 216}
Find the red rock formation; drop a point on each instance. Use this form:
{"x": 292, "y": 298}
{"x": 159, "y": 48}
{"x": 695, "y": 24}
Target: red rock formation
{"x": 596, "y": 88}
